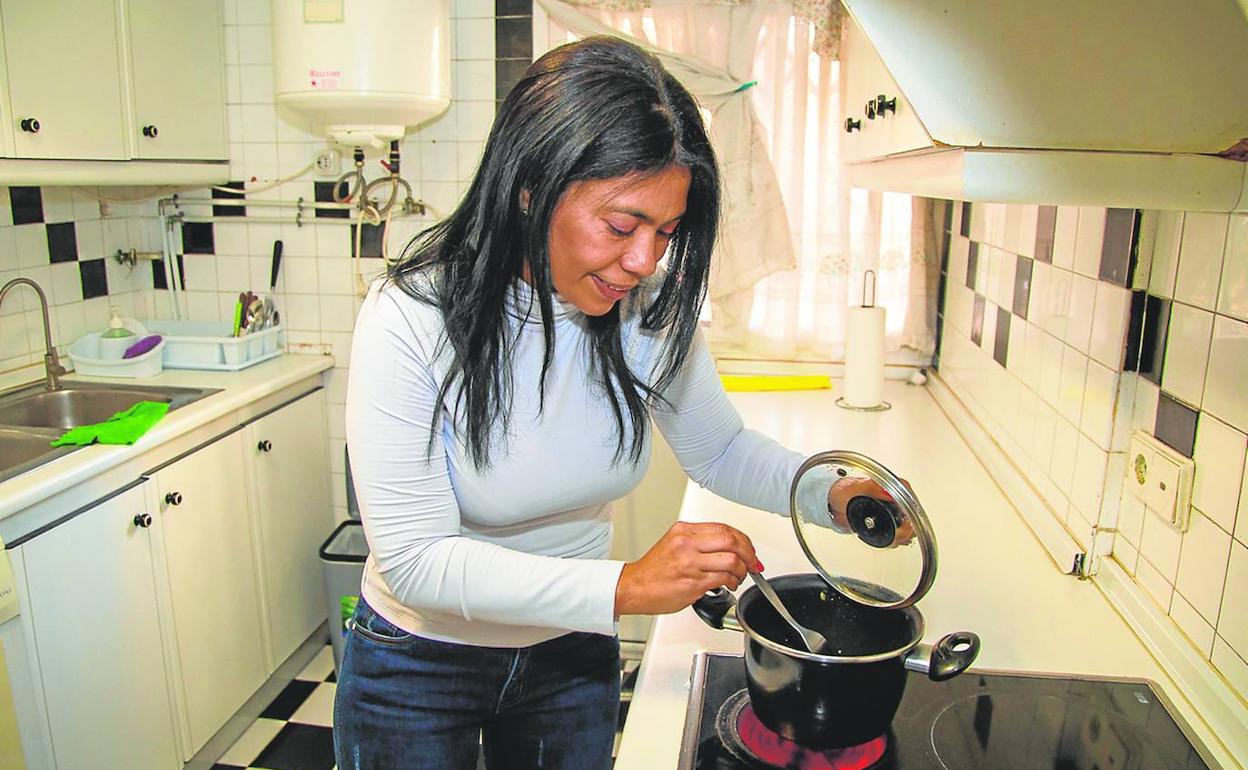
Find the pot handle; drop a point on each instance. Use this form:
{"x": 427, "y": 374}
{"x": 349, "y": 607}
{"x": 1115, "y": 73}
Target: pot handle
{"x": 718, "y": 609}
{"x": 950, "y": 656}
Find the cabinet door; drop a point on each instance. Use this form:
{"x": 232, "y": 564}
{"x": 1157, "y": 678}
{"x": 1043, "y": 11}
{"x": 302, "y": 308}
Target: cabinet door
{"x": 289, "y": 463}
{"x": 64, "y": 72}
{"x": 212, "y": 584}
{"x": 178, "y": 77}
{"x": 97, "y": 632}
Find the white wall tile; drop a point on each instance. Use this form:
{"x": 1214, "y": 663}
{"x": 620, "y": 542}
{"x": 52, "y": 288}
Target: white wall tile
{"x": 1089, "y": 239}
{"x": 1051, "y": 369}
{"x": 474, "y": 39}
{"x": 66, "y": 285}
{"x": 1219, "y": 458}
{"x": 254, "y": 12}
{"x": 337, "y": 313}
{"x": 1154, "y": 583}
{"x": 259, "y": 121}
{"x": 1144, "y": 410}
{"x": 1089, "y": 479}
{"x": 1200, "y": 258}
{"x": 298, "y": 275}
{"x": 1074, "y": 377}
{"x": 1079, "y": 317}
{"x": 31, "y": 244}
{"x": 302, "y": 312}
{"x": 1230, "y": 664}
{"x": 1228, "y": 363}
{"x": 1065, "y": 444}
{"x": 1190, "y": 622}
{"x": 1131, "y": 515}
{"x": 1064, "y": 233}
{"x": 1187, "y": 352}
{"x": 1165, "y": 262}
{"x": 1233, "y": 292}
{"x": 475, "y": 120}
{"x": 255, "y": 44}
{"x": 1161, "y": 544}
{"x": 1099, "y": 396}
{"x": 1126, "y": 555}
{"x": 1202, "y": 566}
{"x": 474, "y": 80}
{"x": 1233, "y": 620}
{"x": 1241, "y": 519}
{"x": 1109, "y": 324}
{"x": 1025, "y": 240}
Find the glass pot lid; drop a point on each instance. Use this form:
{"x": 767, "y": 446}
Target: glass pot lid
{"x": 863, "y": 529}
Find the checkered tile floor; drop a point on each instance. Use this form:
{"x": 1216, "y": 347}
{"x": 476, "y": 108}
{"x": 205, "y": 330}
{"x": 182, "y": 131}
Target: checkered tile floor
{"x": 295, "y": 731}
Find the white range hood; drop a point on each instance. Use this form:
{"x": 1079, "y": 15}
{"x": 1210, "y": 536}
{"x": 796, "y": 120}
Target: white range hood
{"x": 1116, "y": 102}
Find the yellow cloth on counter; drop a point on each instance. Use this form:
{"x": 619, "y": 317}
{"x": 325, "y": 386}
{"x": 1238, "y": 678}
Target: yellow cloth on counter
{"x": 738, "y": 383}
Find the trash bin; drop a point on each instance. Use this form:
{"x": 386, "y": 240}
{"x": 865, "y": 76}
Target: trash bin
{"x": 342, "y": 560}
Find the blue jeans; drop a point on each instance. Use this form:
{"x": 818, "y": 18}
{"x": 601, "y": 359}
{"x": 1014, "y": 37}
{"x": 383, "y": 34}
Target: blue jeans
{"x": 404, "y": 701}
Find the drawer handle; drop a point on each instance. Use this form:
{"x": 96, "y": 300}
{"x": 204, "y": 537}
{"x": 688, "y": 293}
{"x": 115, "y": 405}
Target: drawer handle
{"x": 30, "y": 125}
{"x": 852, "y": 125}
{"x": 143, "y": 520}
{"x": 869, "y": 108}
{"x": 173, "y": 498}
{"x": 264, "y": 446}
{"x": 884, "y": 106}
{"x": 150, "y": 132}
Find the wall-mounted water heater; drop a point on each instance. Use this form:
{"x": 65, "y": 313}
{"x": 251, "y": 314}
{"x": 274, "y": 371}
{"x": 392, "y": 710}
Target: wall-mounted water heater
{"x": 363, "y": 70}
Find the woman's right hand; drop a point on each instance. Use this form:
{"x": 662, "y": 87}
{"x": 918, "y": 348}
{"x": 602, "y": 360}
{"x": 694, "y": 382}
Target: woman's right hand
{"x": 689, "y": 560}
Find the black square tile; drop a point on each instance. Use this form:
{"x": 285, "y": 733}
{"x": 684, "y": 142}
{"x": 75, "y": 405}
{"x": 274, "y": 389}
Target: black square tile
{"x": 219, "y": 766}
{"x": 946, "y": 241}
{"x": 370, "y": 240}
{"x": 324, "y": 193}
{"x": 158, "y": 276}
{"x": 1118, "y": 247}
{"x": 298, "y": 747}
{"x": 1046, "y": 226}
{"x": 1135, "y": 331}
{"x": 1001, "y": 345}
{"x": 977, "y": 321}
{"x": 513, "y": 7}
{"x": 197, "y": 238}
{"x": 333, "y": 675}
{"x": 946, "y": 215}
{"x": 507, "y": 73}
{"x": 972, "y": 265}
{"x": 622, "y": 717}
{"x": 513, "y": 38}
{"x": 965, "y": 224}
{"x": 289, "y": 700}
{"x": 62, "y": 242}
{"x": 1022, "y": 286}
{"x": 1153, "y": 338}
{"x": 229, "y": 211}
{"x": 1176, "y": 424}
{"x": 94, "y": 278}
{"x": 27, "y": 205}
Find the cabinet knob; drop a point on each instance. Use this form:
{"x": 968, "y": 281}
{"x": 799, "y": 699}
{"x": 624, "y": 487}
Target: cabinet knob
{"x": 852, "y": 125}
{"x": 884, "y": 106}
{"x": 265, "y": 445}
{"x": 30, "y": 125}
{"x": 143, "y": 520}
{"x": 150, "y": 132}
{"x": 869, "y": 108}
{"x": 173, "y": 498}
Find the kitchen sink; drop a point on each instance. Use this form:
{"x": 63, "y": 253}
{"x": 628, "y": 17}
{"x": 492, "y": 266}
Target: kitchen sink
{"x": 31, "y": 417}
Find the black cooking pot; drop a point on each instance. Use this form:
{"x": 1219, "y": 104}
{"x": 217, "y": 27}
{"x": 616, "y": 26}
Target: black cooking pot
{"x": 848, "y": 693}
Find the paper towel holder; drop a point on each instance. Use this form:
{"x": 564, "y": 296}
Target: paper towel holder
{"x": 840, "y": 401}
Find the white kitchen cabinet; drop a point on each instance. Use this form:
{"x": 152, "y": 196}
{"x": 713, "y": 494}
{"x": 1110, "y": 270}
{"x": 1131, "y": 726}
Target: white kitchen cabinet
{"x": 213, "y": 586}
{"x": 876, "y": 132}
{"x": 64, "y": 87}
{"x": 92, "y": 601}
{"x": 291, "y": 499}
{"x": 179, "y": 83}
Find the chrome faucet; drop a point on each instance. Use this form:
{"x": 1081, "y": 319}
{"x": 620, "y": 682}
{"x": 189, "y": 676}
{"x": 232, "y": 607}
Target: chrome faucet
{"x": 51, "y": 364}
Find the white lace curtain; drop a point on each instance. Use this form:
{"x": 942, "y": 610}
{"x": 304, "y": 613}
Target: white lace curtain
{"x": 797, "y": 240}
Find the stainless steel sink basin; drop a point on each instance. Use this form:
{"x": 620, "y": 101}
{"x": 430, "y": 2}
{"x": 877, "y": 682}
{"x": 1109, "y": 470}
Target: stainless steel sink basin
{"x": 32, "y": 417}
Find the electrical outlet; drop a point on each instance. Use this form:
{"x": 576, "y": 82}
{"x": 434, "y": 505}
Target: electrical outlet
{"x": 327, "y": 163}
{"x": 1161, "y": 478}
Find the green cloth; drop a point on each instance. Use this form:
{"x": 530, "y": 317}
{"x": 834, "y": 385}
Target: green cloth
{"x": 122, "y": 428}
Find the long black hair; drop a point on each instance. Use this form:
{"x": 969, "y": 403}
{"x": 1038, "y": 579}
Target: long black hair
{"x": 600, "y": 108}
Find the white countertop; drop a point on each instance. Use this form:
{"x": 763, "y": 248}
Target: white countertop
{"x": 237, "y": 390}
{"x": 994, "y": 578}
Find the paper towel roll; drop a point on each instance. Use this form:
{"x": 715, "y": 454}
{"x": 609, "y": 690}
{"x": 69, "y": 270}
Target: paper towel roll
{"x": 864, "y": 357}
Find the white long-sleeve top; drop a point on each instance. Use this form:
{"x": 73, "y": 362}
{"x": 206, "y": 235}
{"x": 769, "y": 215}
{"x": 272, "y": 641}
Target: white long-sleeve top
{"x": 515, "y": 554}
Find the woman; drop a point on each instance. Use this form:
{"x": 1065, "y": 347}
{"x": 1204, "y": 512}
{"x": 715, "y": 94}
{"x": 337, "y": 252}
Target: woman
{"x": 503, "y": 379}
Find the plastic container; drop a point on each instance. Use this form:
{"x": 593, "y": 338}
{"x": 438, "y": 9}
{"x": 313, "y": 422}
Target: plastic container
{"x": 210, "y": 345}
{"x": 88, "y": 358}
{"x": 116, "y": 338}
{"x": 342, "y": 559}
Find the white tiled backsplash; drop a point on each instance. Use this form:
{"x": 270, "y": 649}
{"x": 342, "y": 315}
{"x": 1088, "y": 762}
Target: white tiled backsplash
{"x": 1129, "y": 321}
{"x": 315, "y": 289}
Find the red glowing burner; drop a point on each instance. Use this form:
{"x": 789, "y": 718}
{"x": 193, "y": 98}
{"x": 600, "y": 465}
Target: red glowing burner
{"x": 747, "y": 735}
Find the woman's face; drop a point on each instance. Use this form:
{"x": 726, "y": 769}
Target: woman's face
{"x": 608, "y": 234}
